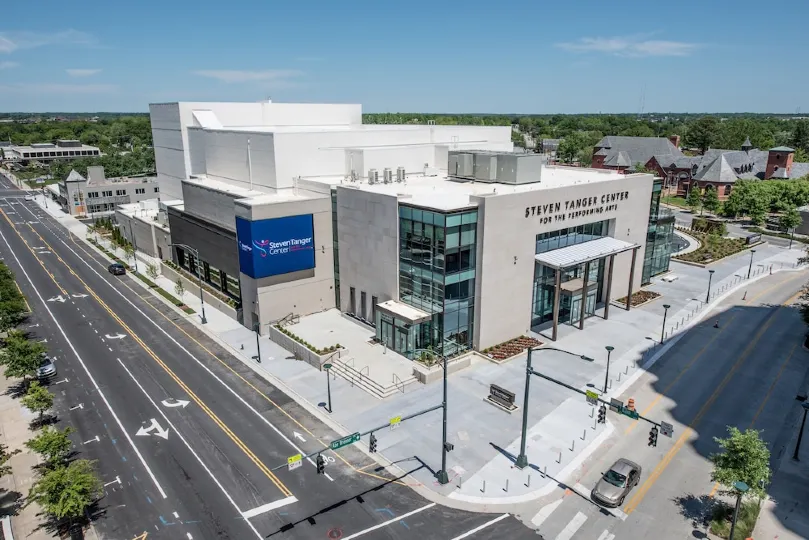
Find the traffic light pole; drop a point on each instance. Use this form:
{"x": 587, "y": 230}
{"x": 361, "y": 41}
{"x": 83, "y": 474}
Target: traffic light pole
{"x": 442, "y": 476}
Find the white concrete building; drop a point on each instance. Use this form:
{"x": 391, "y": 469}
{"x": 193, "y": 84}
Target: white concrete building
{"x": 63, "y": 149}
{"x": 439, "y": 236}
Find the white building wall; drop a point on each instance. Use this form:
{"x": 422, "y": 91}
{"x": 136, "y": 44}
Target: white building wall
{"x": 169, "y": 147}
{"x": 210, "y": 204}
{"x": 506, "y": 248}
{"x": 368, "y": 242}
{"x": 226, "y": 159}
{"x": 196, "y": 151}
{"x": 411, "y": 158}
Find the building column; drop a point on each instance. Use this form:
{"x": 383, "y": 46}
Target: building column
{"x": 610, "y": 265}
{"x": 583, "y": 306}
{"x": 631, "y": 279}
{"x": 557, "y": 291}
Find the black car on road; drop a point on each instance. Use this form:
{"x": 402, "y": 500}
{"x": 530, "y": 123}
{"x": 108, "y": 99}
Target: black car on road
{"x": 117, "y": 269}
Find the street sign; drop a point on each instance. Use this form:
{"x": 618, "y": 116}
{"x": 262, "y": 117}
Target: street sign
{"x": 345, "y": 441}
{"x": 395, "y": 421}
{"x": 326, "y": 366}
{"x": 592, "y": 397}
{"x": 616, "y": 405}
{"x": 631, "y": 413}
{"x": 666, "y": 429}
{"x": 293, "y": 462}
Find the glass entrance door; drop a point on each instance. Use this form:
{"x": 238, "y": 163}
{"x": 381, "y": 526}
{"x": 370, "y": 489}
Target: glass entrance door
{"x": 401, "y": 341}
{"x": 386, "y": 333}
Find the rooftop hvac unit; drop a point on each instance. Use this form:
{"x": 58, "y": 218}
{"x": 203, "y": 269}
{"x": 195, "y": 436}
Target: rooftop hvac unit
{"x": 387, "y": 175}
{"x": 373, "y": 176}
{"x": 400, "y": 174}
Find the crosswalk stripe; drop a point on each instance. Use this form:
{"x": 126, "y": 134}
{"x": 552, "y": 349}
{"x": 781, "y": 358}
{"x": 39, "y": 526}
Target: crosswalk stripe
{"x": 571, "y": 528}
{"x": 545, "y": 512}
{"x": 606, "y": 535}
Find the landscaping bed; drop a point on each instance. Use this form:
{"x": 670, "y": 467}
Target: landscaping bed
{"x": 722, "y": 514}
{"x": 295, "y": 337}
{"x": 510, "y": 348}
{"x": 639, "y": 298}
{"x": 712, "y": 248}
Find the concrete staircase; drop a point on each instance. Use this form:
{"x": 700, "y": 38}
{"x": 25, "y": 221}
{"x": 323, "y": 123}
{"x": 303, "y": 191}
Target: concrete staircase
{"x": 344, "y": 367}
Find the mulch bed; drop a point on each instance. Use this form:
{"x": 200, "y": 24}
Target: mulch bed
{"x": 640, "y": 297}
{"x": 511, "y": 348}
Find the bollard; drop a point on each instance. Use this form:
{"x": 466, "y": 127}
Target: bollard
{"x": 595, "y": 423}
{"x": 573, "y": 445}
{"x": 609, "y": 386}
{"x": 506, "y": 488}
{"x": 626, "y": 371}
{"x": 584, "y": 434}
{"x": 460, "y": 482}
{"x": 483, "y": 490}
{"x": 560, "y": 457}
{"x": 592, "y": 411}
{"x": 619, "y": 376}
{"x": 528, "y": 484}
{"x": 545, "y": 471}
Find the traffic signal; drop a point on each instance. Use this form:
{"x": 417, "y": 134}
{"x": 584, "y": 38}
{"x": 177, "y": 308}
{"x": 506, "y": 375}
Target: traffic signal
{"x": 372, "y": 443}
{"x": 321, "y": 465}
{"x": 653, "y": 436}
{"x": 602, "y": 414}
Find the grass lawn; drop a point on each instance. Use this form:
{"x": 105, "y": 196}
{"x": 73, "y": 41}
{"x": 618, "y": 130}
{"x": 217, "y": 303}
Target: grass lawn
{"x": 722, "y": 514}
{"x": 713, "y": 248}
{"x": 675, "y": 201}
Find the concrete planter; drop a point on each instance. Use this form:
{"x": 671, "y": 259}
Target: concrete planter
{"x": 427, "y": 375}
{"x": 192, "y": 288}
{"x": 303, "y": 352}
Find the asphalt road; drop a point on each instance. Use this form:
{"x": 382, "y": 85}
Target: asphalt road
{"x": 201, "y": 469}
{"x": 746, "y": 373}
{"x": 683, "y": 218}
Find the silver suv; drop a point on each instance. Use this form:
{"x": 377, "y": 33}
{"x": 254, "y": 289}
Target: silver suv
{"x": 47, "y": 368}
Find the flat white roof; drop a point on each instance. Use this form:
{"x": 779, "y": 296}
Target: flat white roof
{"x": 441, "y": 193}
{"x": 404, "y": 311}
{"x": 581, "y": 253}
{"x": 334, "y": 127}
{"x": 223, "y": 187}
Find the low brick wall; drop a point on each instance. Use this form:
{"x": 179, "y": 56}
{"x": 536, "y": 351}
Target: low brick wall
{"x": 192, "y": 288}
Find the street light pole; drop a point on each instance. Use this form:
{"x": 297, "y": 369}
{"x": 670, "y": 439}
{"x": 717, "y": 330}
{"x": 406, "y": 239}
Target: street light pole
{"x": 199, "y": 275}
{"x": 710, "y": 277}
{"x": 522, "y": 459}
{"x": 326, "y": 368}
{"x": 741, "y": 488}
{"x": 256, "y": 328}
{"x": 749, "y": 268}
{"x": 805, "y": 406}
{"x": 442, "y": 476}
{"x": 609, "y": 348}
{"x": 663, "y": 330}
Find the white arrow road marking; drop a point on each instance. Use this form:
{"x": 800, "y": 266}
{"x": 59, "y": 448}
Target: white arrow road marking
{"x": 177, "y": 403}
{"x": 57, "y": 299}
{"x": 63, "y": 380}
{"x": 116, "y": 336}
{"x": 298, "y": 436}
{"x": 153, "y": 427}
{"x": 96, "y": 439}
{"x": 44, "y": 340}
{"x": 116, "y": 481}
{"x": 79, "y": 295}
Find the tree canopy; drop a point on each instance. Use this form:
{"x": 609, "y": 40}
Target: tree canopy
{"x": 755, "y": 198}
{"x": 744, "y": 457}
{"x": 67, "y": 491}
{"x": 20, "y": 356}
{"x": 38, "y": 399}
{"x": 52, "y": 444}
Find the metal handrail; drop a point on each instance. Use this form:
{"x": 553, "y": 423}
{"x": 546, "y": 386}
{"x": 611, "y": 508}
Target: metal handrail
{"x": 396, "y": 378}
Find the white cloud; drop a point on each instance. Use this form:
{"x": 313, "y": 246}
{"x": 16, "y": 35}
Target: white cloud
{"x": 272, "y": 76}
{"x": 8, "y": 65}
{"x": 631, "y": 46}
{"x": 82, "y": 72}
{"x": 11, "y": 41}
{"x": 57, "y": 88}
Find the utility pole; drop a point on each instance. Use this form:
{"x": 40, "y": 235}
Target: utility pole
{"x": 442, "y": 476}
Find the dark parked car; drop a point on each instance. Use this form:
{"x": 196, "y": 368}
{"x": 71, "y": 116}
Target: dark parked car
{"x": 616, "y": 483}
{"x": 47, "y": 368}
{"x": 117, "y": 269}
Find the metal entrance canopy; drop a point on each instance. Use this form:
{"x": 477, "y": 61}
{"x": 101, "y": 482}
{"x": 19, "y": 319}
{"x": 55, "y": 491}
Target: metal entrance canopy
{"x": 582, "y": 253}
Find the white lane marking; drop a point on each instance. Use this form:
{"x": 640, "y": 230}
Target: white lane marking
{"x": 606, "y": 535}
{"x": 86, "y": 370}
{"x": 176, "y": 515}
{"x": 116, "y": 481}
{"x": 545, "y": 512}
{"x": 189, "y": 353}
{"x": 264, "y": 508}
{"x": 298, "y": 436}
{"x": 480, "y": 528}
{"x": 94, "y": 439}
{"x": 329, "y": 477}
{"x": 571, "y": 528}
{"x": 188, "y": 535}
{"x": 388, "y": 522}
{"x": 110, "y": 348}
{"x": 180, "y": 436}
{"x": 154, "y": 426}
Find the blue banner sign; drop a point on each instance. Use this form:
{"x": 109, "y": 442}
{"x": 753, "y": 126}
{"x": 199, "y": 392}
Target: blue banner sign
{"x": 270, "y": 247}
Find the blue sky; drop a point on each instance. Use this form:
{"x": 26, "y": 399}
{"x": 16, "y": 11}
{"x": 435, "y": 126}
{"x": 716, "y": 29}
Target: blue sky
{"x": 436, "y": 56}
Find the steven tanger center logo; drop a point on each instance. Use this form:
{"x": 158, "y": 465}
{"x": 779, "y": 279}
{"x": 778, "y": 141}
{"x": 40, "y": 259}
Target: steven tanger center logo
{"x": 266, "y": 247}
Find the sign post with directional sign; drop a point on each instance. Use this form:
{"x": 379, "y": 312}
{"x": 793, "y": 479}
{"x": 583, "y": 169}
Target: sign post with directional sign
{"x": 293, "y": 462}
{"x": 394, "y": 422}
{"x": 345, "y": 441}
{"x": 666, "y": 429}
{"x": 592, "y": 397}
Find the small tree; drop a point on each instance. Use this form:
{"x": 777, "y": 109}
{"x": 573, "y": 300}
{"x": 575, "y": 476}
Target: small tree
{"x": 744, "y": 457}
{"x": 694, "y": 199}
{"x": 151, "y": 271}
{"x": 758, "y": 211}
{"x": 66, "y": 492}
{"x": 38, "y": 399}
{"x": 52, "y": 445}
{"x": 21, "y": 356}
{"x": 129, "y": 250}
{"x": 789, "y": 221}
{"x": 179, "y": 289}
{"x": 710, "y": 200}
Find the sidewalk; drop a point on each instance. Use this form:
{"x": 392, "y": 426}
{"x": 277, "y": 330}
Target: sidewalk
{"x": 562, "y": 433}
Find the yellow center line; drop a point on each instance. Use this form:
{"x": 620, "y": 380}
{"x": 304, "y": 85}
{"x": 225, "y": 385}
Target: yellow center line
{"x": 664, "y": 463}
{"x": 249, "y": 384}
{"x": 284, "y": 490}
{"x": 699, "y": 353}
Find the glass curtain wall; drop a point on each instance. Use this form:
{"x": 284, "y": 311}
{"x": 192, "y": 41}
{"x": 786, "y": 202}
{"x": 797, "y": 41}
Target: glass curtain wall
{"x": 437, "y": 275}
{"x": 659, "y": 237}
